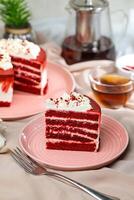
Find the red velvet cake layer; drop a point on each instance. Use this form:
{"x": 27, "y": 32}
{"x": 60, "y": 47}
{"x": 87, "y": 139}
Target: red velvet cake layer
{"x": 29, "y": 88}
{"x": 4, "y": 73}
{"x": 72, "y": 123}
{"x": 72, "y": 146}
{"x": 27, "y": 80}
{"x": 70, "y": 114}
{"x": 82, "y": 131}
{"x": 4, "y": 104}
{"x": 23, "y": 67}
{"x": 68, "y": 136}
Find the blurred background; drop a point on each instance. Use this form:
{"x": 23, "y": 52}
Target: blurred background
{"x": 56, "y": 8}
{"x": 49, "y": 21}
{"x": 49, "y": 17}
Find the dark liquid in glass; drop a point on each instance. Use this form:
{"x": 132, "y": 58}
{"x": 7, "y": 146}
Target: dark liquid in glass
{"x": 115, "y": 90}
{"x": 74, "y": 52}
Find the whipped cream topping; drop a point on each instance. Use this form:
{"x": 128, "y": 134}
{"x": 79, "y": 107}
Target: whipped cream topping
{"x": 72, "y": 102}
{"x": 20, "y": 48}
{"x": 5, "y": 61}
{"x": 43, "y": 79}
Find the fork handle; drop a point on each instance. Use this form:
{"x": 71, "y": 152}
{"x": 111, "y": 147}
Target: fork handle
{"x": 97, "y": 195}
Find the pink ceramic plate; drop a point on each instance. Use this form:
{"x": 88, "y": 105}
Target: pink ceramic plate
{"x": 26, "y": 104}
{"x": 114, "y": 140}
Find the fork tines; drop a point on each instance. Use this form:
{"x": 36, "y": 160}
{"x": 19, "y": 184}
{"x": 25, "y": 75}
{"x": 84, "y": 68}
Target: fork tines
{"x": 23, "y": 160}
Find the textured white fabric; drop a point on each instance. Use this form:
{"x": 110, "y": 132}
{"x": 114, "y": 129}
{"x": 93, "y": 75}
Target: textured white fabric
{"x": 2, "y": 137}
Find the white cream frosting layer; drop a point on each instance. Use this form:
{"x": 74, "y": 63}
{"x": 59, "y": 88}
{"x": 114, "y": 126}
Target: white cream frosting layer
{"x": 20, "y": 48}
{"x": 87, "y": 130}
{"x": 6, "y": 97}
{"x": 74, "y": 119}
{"x": 73, "y": 102}
{"x": 2, "y": 138}
{"x": 5, "y": 61}
{"x": 43, "y": 79}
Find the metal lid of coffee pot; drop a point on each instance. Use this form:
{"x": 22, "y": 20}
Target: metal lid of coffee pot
{"x": 89, "y": 5}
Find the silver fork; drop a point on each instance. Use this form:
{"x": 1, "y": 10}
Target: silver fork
{"x": 34, "y": 168}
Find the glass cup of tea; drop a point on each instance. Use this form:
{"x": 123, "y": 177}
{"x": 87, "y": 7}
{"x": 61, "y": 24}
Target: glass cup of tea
{"x": 111, "y": 89}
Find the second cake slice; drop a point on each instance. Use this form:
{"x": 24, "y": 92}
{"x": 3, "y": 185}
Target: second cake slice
{"x": 72, "y": 123}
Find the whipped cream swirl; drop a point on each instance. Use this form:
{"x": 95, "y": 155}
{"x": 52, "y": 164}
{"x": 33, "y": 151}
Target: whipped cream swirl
{"x": 72, "y": 102}
{"x": 20, "y": 48}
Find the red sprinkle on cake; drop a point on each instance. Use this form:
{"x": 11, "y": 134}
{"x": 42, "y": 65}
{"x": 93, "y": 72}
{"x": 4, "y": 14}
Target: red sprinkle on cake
{"x": 6, "y": 80}
{"x": 29, "y": 64}
{"x": 72, "y": 123}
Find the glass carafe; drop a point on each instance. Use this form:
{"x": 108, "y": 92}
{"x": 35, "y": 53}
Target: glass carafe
{"x": 89, "y": 34}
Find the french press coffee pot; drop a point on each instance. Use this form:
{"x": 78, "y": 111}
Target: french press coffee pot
{"x": 91, "y": 38}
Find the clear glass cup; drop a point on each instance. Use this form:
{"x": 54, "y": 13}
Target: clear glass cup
{"x": 111, "y": 89}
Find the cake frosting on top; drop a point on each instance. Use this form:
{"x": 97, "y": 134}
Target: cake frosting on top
{"x": 20, "y": 48}
{"x": 5, "y": 61}
{"x": 73, "y": 102}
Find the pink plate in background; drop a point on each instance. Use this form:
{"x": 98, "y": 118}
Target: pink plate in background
{"x": 26, "y": 104}
{"x": 113, "y": 142}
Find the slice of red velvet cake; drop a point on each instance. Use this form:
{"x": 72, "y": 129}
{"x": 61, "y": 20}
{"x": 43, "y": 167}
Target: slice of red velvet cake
{"x": 29, "y": 63}
{"x": 72, "y": 123}
{"x": 6, "y": 80}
